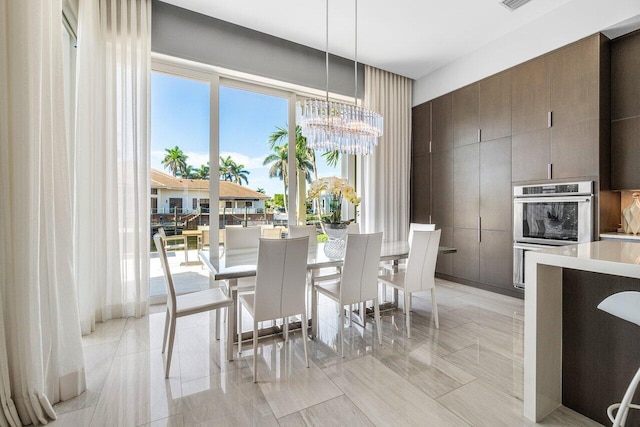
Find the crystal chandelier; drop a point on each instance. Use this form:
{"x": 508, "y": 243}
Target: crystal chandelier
{"x": 338, "y": 126}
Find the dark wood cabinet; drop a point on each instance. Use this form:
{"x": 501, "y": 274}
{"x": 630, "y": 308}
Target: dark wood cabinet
{"x": 625, "y": 81}
{"x": 496, "y": 258}
{"x": 421, "y": 189}
{"x": 420, "y": 129}
{"x": 442, "y": 188}
{"x": 444, "y": 263}
{"x": 530, "y": 96}
{"x": 465, "y": 115}
{"x": 575, "y": 150}
{"x": 441, "y": 124}
{"x": 574, "y": 82}
{"x": 466, "y": 261}
{"x": 466, "y": 187}
{"x": 625, "y": 154}
{"x": 495, "y": 184}
{"x": 495, "y": 107}
{"x": 530, "y": 156}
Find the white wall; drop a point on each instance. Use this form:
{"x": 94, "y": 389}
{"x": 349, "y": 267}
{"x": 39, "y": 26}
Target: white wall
{"x": 570, "y": 22}
{"x": 187, "y": 204}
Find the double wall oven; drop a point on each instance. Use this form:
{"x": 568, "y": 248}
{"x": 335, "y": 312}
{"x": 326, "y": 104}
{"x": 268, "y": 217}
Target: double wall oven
{"x": 549, "y": 215}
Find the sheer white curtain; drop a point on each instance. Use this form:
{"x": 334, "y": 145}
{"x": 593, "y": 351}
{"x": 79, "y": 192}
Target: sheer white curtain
{"x": 383, "y": 176}
{"x": 41, "y": 359}
{"x": 112, "y": 159}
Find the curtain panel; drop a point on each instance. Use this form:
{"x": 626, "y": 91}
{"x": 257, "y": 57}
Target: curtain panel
{"x": 383, "y": 176}
{"x": 41, "y": 358}
{"x": 112, "y": 159}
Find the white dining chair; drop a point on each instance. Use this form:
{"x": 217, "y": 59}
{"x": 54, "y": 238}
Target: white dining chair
{"x": 242, "y": 237}
{"x": 296, "y": 231}
{"x": 415, "y": 226}
{"x": 419, "y": 274}
{"x": 353, "y": 228}
{"x": 356, "y": 283}
{"x": 280, "y": 289}
{"x": 185, "y": 305}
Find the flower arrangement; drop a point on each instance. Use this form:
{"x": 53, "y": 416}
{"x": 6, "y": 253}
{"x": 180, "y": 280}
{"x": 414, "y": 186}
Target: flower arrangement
{"x": 337, "y": 189}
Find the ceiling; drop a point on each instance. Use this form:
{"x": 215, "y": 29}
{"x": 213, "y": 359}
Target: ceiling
{"x": 407, "y": 37}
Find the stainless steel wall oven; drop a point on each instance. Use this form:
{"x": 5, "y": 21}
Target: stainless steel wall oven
{"x": 550, "y": 215}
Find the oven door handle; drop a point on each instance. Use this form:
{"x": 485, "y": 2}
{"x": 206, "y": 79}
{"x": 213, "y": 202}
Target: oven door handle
{"x": 578, "y": 199}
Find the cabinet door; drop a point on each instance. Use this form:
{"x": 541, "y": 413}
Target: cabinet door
{"x": 530, "y": 96}
{"x": 444, "y": 263}
{"x": 625, "y": 84}
{"x": 496, "y": 258}
{"x": 575, "y": 149}
{"x": 625, "y": 154}
{"x": 465, "y": 115}
{"x": 495, "y": 184}
{"x": 421, "y": 129}
{"x": 466, "y": 188}
{"x": 530, "y": 156}
{"x": 574, "y": 82}
{"x": 442, "y": 188}
{"x": 441, "y": 125}
{"x": 495, "y": 106}
{"x": 421, "y": 189}
{"x": 466, "y": 261}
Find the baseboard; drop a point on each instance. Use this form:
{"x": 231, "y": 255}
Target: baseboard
{"x": 517, "y": 293}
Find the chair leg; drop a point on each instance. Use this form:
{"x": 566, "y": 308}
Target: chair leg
{"x": 285, "y": 328}
{"x": 167, "y": 320}
{"x": 218, "y": 323}
{"x": 623, "y": 409}
{"x": 239, "y": 330}
{"x": 407, "y": 309}
{"x": 434, "y": 303}
{"x": 314, "y": 313}
{"x": 305, "y": 338}
{"x": 341, "y": 321}
{"x": 255, "y": 351}
{"x": 172, "y": 334}
{"x": 376, "y": 313}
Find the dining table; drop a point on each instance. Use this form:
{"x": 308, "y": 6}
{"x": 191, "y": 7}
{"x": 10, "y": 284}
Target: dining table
{"x": 233, "y": 264}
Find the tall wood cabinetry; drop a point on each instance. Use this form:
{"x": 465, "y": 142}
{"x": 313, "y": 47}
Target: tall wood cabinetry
{"x": 625, "y": 112}
{"x": 542, "y": 120}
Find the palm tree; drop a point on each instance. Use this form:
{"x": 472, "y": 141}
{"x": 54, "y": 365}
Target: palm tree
{"x": 202, "y": 172}
{"x": 186, "y": 172}
{"x": 279, "y": 160}
{"x": 225, "y": 168}
{"x": 260, "y": 190}
{"x": 175, "y": 160}
{"x": 239, "y": 174}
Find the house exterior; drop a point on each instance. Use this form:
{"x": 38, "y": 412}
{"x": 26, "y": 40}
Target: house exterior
{"x": 171, "y": 194}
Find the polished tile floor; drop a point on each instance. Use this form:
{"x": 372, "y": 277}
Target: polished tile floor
{"x": 469, "y": 372}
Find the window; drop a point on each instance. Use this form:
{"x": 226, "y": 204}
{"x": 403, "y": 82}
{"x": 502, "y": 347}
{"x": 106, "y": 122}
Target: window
{"x": 154, "y": 191}
{"x": 228, "y": 205}
{"x": 248, "y": 204}
{"x": 154, "y": 205}
{"x": 194, "y": 203}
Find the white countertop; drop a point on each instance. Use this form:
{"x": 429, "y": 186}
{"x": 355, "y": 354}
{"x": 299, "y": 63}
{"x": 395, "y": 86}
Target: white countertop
{"x": 621, "y": 236}
{"x": 614, "y": 257}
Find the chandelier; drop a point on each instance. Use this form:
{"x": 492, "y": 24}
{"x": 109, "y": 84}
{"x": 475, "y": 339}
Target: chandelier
{"x": 338, "y": 126}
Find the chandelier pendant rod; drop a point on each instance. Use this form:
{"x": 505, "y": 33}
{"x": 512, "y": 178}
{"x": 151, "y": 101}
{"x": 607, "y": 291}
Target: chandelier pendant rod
{"x": 355, "y": 61}
{"x": 326, "y": 49}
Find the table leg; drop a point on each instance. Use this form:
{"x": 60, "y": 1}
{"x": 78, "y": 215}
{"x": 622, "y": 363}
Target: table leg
{"x": 231, "y": 317}
{"x": 186, "y": 249}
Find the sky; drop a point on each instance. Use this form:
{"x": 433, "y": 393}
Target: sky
{"x": 180, "y": 116}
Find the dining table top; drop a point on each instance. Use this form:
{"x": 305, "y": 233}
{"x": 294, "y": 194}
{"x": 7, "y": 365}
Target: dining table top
{"x": 238, "y": 263}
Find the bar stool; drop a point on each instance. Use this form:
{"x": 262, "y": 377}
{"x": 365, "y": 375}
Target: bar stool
{"x": 626, "y": 306}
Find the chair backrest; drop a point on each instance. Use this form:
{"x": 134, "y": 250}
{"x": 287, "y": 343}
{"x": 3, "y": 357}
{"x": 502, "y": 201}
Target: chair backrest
{"x": 161, "y": 232}
{"x": 421, "y": 266}
{"x": 281, "y": 277}
{"x": 271, "y": 233}
{"x": 203, "y": 227}
{"x": 414, "y": 226}
{"x": 242, "y": 237}
{"x": 296, "y": 231}
{"x": 360, "y": 271}
{"x": 205, "y": 237}
{"x": 162, "y": 253}
{"x": 353, "y": 228}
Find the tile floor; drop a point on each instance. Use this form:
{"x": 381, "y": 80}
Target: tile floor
{"x": 469, "y": 372}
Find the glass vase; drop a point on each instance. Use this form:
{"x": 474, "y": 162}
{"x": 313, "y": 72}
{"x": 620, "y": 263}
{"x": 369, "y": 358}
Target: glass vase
{"x": 631, "y": 216}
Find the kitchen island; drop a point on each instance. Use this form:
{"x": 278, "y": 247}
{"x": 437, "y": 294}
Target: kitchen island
{"x": 576, "y": 355}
